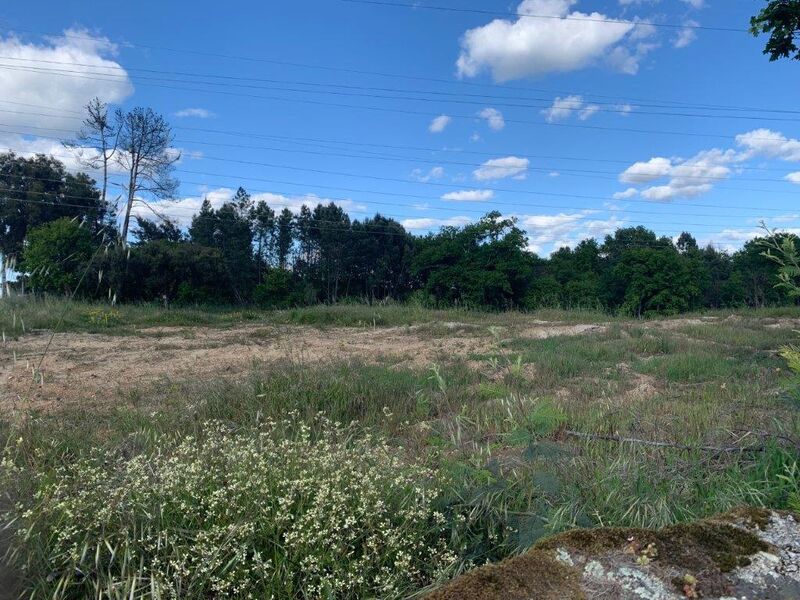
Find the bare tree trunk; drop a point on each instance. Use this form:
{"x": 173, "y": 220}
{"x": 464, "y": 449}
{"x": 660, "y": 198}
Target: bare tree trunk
{"x": 127, "y": 220}
{"x": 3, "y": 281}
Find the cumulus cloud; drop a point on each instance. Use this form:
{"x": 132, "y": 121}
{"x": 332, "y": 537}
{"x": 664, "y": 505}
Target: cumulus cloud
{"x": 181, "y": 210}
{"x": 697, "y": 175}
{"x": 513, "y": 49}
{"x": 629, "y": 193}
{"x": 688, "y": 178}
{"x": 423, "y": 176}
{"x": 28, "y": 146}
{"x": 644, "y": 171}
{"x": 197, "y": 113}
{"x": 564, "y": 108}
{"x": 770, "y": 144}
{"x": 439, "y": 124}
{"x": 500, "y": 168}
{"x": 469, "y": 195}
{"x": 547, "y": 233}
{"x": 494, "y": 118}
{"x": 431, "y": 223}
{"x": 65, "y": 95}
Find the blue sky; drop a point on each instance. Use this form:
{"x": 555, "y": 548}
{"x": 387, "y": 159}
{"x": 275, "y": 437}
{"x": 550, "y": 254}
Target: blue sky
{"x": 576, "y": 126}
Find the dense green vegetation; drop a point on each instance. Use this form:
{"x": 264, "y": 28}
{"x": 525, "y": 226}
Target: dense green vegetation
{"x": 244, "y": 253}
{"x": 479, "y": 442}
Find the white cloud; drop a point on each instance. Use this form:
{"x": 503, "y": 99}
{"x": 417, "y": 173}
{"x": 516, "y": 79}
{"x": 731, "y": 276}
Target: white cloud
{"x": 475, "y": 137}
{"x": 181, "y": 210}
{"x": 431, "y": 223}
{"x": 534, "y": 46}
{"x": 562, "y": 108}
{"x": 27, "y": 146}
{"x": 64, "y": 96}
{"x": 588, "y": 111}
{"x": 500, "y": 168}
{"x": 547, "y": 233}
{"x": 552, "y": 222}
{"x": 686, "y": 35}
{"x": 785, "y": 218}
{"x": 688, "y": 178}
{"x": 197, "y": 113}
{"x": 697, "y": 175}
{"x": 439, "y": 124}
{"x": 493, "y": 117}
{"x": 624, "y": 109}
{"x": 644, "y": 171}
{"x": 434, "y": 173}
{"x": 469, "y": 195}
{"x": 695, "y": 3}
{"x": 771, "y": 144}
{"x": 554, "y": 174}
{"x": 629, "y": 193}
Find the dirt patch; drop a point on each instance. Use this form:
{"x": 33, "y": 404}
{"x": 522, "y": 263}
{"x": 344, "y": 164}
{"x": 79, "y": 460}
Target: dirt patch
{"x": 671, "y": 324}
{"x": 643, "y": 386}
{"x": 93, "y": 368}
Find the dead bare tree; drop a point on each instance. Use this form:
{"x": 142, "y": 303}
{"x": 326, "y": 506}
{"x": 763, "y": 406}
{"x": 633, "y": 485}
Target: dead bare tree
{"x": 96, "y": 142}
{"x": 146, "y": 154}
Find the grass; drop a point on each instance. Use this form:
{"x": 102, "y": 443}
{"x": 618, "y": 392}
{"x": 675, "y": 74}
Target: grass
{"x": 18, "y": 315}
{"x": 485, "y": 433}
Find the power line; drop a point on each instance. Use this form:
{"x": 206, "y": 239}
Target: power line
{"x": 491, "y": 99}
{"x": 427, "y": 115}
{"x": 367, "y": 191}
{"x": 587, "y": 173}
{"x": 298, "y": 140}
{"x": 352, "y": 71}
{"x": 397, "y": 216}
{"x": 494, "y": 13}
{"x": 334, "y": 225}
{"x": 627, "y": 111}
{"x": 287, "y": 194}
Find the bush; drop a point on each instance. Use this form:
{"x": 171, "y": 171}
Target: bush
{"x": 278, "y": 290}
{"x": 274, "y": 513}
{"x": 55, "y": 255}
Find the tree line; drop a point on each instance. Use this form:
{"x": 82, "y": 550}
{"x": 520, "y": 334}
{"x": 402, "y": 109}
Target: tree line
{"x": 64, "y": 239}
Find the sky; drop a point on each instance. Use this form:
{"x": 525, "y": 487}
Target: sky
{"x": 577, "y": 117}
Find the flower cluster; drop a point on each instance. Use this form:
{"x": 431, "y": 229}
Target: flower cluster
{"x": 282, "y": 512}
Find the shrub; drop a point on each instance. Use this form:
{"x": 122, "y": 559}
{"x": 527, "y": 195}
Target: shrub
{"x": 280, "y": 512}
{"x": 56, "y": 253}
{"x": 278, "y": 290}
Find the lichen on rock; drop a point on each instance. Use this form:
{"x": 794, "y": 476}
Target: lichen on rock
{"x": 744, "y": 554}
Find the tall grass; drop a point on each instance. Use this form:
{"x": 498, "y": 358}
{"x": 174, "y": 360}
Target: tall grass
{"x": 435, "y": 469}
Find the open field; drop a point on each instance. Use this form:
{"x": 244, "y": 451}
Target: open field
{"x": 525, "y": 424}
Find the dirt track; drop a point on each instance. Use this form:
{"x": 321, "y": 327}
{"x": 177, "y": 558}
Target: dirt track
{"x": 94, "y": 367}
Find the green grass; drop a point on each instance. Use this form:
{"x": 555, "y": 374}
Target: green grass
{"x": 487, "y": 430}
{"x": 18, "y": 315}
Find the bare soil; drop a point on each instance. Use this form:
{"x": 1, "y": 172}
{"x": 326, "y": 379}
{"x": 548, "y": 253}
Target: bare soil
{"x": 95, "y": 368}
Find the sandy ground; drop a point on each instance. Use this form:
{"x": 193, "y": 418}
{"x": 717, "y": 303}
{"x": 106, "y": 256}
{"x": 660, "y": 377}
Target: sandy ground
{"x": 94, "y": 367}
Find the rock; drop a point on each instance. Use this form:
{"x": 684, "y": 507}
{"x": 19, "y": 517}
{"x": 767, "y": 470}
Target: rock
{"x": 746, "y": 554}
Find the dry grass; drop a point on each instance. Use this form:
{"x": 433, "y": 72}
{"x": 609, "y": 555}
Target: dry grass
{"x": 482, "y": 400}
